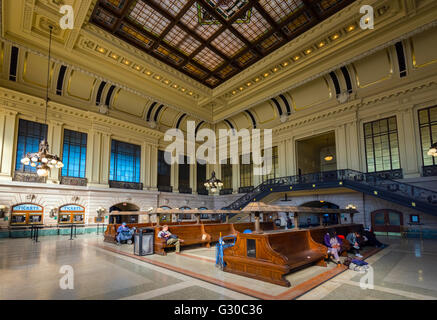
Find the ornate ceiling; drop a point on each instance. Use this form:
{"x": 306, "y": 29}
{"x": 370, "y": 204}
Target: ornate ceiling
{"x": 211, "y": 40}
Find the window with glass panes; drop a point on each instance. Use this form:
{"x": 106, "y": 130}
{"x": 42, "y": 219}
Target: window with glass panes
{"x": 201, "y": 175}
{"x": 274, "y": 169}
{"x": 30, "y": 134}
{"x": 428, "y": 133}
{"x": 246, "y": 170}
{"x": 125, "y": 162}
{"x": 74, "y": 154}
{"x": 164, "y": 170}
{"x": 227, "y": 174}
{"x": 382, "y": 146}
{"x": 184, "y": 172}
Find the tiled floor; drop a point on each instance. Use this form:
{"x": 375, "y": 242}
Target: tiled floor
{"x": 32, "y": 271}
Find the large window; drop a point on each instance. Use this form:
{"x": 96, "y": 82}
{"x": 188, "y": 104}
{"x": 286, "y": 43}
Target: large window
{"x": 382, "y": 147}
{"x": 201, "y": 175}
{"x": 164, "y": 170}
{"x": 30, "y": 135}
{"x": 184, "y": 172}
{"x": 125, "y": 162}
{"x": 246, "y": 170}
{"x": 74, "y": 154}
{"x": 428, "y": 133}
{"x": 226, "y": 174}
{"x": 274, "y": 171}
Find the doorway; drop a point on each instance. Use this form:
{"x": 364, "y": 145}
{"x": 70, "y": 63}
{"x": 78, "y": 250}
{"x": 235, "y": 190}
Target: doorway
{"x": 387, "y": 220}
{"x": 316, "y": 154}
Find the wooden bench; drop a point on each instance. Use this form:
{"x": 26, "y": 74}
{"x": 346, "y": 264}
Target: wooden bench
{"x": 318, "y": 234}
{"x": 191, "y": 234}
{"x": 111, "y": 230}
{"x": 214, "y": 230}
{"x": 269, "y": 256}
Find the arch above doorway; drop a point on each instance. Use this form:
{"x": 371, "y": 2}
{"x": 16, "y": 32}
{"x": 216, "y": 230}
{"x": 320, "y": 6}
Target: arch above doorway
{"x": 314, "y": 220}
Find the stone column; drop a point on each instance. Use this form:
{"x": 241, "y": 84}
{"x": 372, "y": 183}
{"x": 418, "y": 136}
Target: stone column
{"x": 8, "y": 127}
{"x": 235, "y": 177}
{"x": 296, "y": 220}
{"x": 153, "y": 168}
{"x": 257, "y": 222}
{"x": 407, "y": 144}
{"x": 290, "y": 157}
{"x": 282, "y": 161}
{"x": 54, "y": 139}
{"x": 98, "y": 157}
{"x": 145, "y": 165}
{"x": 341, "y": 147}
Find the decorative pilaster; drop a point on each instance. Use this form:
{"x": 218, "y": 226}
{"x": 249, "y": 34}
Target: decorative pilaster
{"x": 54, "y": 138}
{"x": 98, "y": 157}
{"x": 8, "y": 127}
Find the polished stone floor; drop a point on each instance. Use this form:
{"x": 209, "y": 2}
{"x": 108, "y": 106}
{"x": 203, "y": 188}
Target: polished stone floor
{"x": 404, "y": 270}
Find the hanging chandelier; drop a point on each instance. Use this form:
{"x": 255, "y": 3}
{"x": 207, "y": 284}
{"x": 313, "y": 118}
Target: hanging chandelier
{"x": 329, "y": 156}
{"x": 433, "y": 150}
{"x": 42, "y": 160}
{"x": 213, "y": 184}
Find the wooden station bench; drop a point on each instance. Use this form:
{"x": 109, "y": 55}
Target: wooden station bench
{"x": 318, "y": 234}
{"x": 191, "y": 234}
{"x": 269, "y": 256}
{"x": 214, "y": 230}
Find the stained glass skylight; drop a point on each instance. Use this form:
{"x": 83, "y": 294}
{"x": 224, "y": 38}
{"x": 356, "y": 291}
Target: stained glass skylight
{"x": 281, "y": 9}
{"x": 228, "y": 43}
{"x": 148, "y": 18}
{"x": 208, "y": 58}
{"x": 211, "y": 40}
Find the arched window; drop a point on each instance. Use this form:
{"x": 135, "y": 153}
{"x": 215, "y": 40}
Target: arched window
{"x": 27, "y": 213}
{"x": 71, "y": 213}
{"x": 165, "y": 217}
{"x": 185, "y": 216}
{"x": 123, "y": 207}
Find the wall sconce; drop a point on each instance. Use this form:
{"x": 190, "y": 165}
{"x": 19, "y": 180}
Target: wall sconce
{"x": 3, "y": 211}
{"x": 100, "y": 211}
{"x": 53, "y": 212}
{"x": 351, "y": 207}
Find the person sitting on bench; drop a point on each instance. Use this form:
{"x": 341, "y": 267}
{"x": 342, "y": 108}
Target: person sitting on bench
{"x": 354, "y": 239}
{"x": 170, "y": 238}
{"x": 124, "y": 233}
{"x": 370, "y": 239}
{"x": 333, "y": 242}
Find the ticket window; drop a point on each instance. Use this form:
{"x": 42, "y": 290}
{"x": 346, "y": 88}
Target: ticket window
{"x": 26, "y": 214}
{"x": 71, "y": 214}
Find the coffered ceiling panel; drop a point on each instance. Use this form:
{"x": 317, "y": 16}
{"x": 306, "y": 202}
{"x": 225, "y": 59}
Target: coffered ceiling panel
{"x": 211, "y": 40}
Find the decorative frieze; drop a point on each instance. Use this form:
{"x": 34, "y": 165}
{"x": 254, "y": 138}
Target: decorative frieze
{"x": 125, "y": 185}
{"x": 28, "y": 177}
{"x": 72, "y": 181}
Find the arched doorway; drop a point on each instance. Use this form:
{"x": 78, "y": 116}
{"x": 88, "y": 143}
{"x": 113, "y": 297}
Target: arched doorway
{"x": 387, "y": 220}
{"x": 124, "y": 207}
{"x": 308, "y": 220}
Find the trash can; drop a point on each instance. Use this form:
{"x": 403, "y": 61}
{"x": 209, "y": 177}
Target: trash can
{"x": 144, "y": 241}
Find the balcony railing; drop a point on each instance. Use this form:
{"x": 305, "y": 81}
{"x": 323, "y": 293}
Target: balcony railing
{"x": 73, "y": 181}
{"x": 226, "y": 191}
{"x": 185, "y": 190}
{"x": 125, "y": 185}
{"x": 245, "y": 189}
{"x": 165, "y": 188}
{"x": 429, "y": 171}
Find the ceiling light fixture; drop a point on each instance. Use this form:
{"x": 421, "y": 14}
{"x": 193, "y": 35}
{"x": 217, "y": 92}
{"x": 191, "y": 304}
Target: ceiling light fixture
{"x": 433, "y": 150}
{"x": 213, "y": 184}
{"x": 42, "y": 160}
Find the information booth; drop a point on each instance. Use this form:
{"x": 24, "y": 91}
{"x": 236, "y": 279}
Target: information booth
{"x": 27, "y": 214}
{"x": 71, "y": 213}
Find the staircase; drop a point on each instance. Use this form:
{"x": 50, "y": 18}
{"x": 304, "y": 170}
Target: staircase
{"x": 373, "y": 184}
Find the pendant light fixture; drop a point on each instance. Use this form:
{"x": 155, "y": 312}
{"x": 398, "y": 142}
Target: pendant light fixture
{"x": 42, "y": 160}
{"x": 213, "y": 183}
{"x": 329, "y": 156}
{"x": 433, "y": 150}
